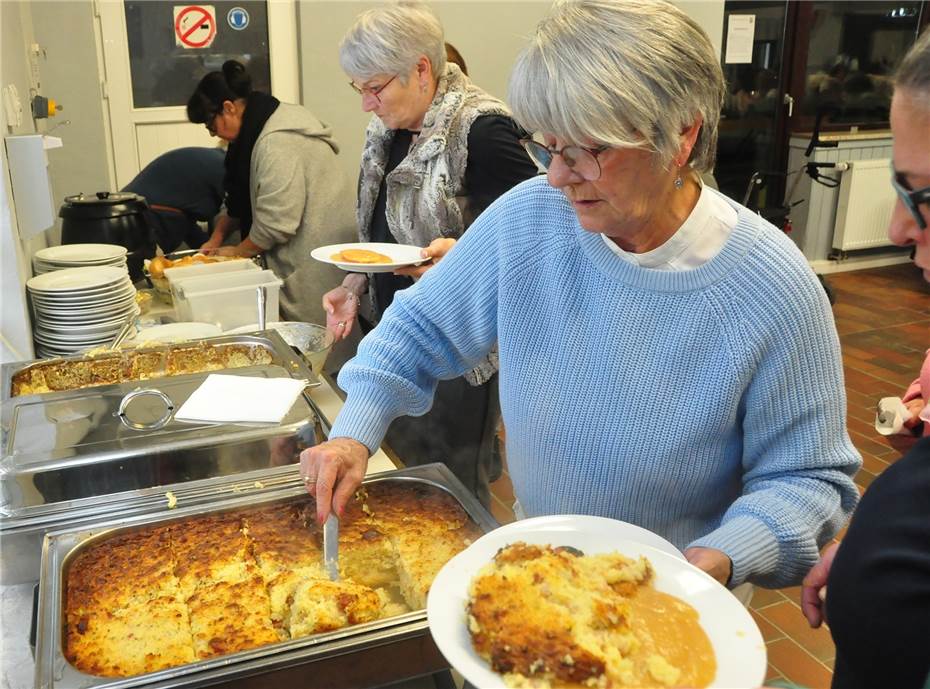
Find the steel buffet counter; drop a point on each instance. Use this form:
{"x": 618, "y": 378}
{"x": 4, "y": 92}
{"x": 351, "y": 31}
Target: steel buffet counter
{"x": 85, "y": 437}
{"x": 39, "y": 493}
{"x": 365, "y": 655}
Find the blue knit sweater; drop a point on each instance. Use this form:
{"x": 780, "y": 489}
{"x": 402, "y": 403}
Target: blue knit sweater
{"x": 706, "y": 405}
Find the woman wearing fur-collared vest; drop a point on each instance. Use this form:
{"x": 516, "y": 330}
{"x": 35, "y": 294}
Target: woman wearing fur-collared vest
{"x": 438, "y": 151}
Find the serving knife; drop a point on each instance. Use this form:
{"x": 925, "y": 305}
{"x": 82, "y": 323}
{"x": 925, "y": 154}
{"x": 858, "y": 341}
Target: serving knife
{"x": 331, "y": 546}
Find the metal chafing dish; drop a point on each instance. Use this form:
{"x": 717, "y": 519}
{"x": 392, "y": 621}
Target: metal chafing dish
{"x": 79, "y": 455}
{"x": 364, "y": 655}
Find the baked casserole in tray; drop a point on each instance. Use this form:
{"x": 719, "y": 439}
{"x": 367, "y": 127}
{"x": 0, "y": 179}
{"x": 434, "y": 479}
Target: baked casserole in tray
{"x": 120, "y": 367}
{"x": 178, "y": 592}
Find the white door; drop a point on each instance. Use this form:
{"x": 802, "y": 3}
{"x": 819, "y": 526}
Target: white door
{"x": 155, "y": 52}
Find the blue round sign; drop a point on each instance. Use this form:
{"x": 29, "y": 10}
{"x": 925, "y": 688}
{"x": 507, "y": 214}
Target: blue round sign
{"x": 237, "y": 18}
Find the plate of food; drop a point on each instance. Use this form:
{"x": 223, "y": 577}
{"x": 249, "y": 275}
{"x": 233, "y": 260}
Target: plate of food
{"x": 369, "y": 257}
{"x": 572, "y": 604}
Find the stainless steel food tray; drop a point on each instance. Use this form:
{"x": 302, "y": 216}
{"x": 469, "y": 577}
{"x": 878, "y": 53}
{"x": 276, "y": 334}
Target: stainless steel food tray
{"x": 70, "y": 454}
{"x": 270, "y": 340}
{"x": 364, "y": 655}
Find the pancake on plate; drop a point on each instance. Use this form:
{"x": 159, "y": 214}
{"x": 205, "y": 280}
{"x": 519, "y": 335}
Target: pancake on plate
{"x": 361, "y": 256}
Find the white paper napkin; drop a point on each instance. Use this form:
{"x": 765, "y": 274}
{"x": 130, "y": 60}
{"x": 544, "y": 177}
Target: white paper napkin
{"x": 241, "y": 399}
{"x": 890, "y": 416}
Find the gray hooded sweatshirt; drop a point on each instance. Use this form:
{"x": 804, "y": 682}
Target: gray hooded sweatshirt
{"x": 301, "y": 199}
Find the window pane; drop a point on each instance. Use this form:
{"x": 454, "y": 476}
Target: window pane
{"x": 166, "y": 74}
{"x": 853, "y": 51}
{"x": 747, "y": 136}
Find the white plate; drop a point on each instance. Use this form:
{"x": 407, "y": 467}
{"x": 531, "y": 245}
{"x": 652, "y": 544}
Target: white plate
{"x": 46, "y": 266}
{"x": 105, "y": 322}
{"x": 46, "y": 341}
{"x": 80, "y": 314}
{"x": 737, "y": 643}
{"x": 612, "y": 528}
{"x": 120, "y": 290}
{"x": 91, "y": 302}
{"x": 121, "y": 287}
{"x": 176, "y": 332}
{"x": 254, "y": 327}
{"x": 77, "y": 325}
{"x": 81, "y": 253}
{"x": 107, "y": 295}
{"x": 402, "y": 255}
{"x": 41, "y": 268}
{"x": 91, "y": 296}
{"x": 72, "y": 253}
{"x": 77, "y": 279}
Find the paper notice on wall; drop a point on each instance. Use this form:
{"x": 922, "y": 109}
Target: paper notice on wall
{"x": 741, "y": 30}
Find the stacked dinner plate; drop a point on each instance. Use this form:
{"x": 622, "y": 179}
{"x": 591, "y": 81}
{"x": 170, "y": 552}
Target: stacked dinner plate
{"x": 80, "y": 308}
{"x": 78, "y": 256}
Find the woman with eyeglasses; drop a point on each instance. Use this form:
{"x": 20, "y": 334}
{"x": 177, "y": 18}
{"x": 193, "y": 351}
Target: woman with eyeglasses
{"x": 284, "y": 189}
{"x": 667, "y": 357}
{"x": 910, "y": 124}
{"x": 438, "y": 151}
{"x": 874, "y": 589}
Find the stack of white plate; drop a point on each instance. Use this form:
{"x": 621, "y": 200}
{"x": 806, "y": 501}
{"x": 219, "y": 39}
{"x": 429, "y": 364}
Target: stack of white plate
{"x": 78, "y": 256}
{"x": 80, "y": 308}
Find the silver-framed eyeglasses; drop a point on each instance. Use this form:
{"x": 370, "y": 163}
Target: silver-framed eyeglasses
{"x": 366, "y": 91}
{"x": 911, "y": 198}
{"x": 580, "y": 159}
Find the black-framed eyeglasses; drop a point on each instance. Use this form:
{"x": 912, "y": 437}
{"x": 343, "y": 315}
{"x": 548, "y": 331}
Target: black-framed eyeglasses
{"x": 365, "y": 91}
{"x": 210, "y": 122}
{"x": 911, "y": 198}
{"x": 579, "y": 158}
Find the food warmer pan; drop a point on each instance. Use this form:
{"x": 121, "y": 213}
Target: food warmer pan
{"x": 69, "y": 456}
{"x": 366, "y": 655}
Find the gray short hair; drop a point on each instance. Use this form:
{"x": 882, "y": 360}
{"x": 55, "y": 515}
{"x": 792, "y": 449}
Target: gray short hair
{"x": 914, "y": 71}
{"x": 390, "y": 39}
{"x": 624, "y": 73}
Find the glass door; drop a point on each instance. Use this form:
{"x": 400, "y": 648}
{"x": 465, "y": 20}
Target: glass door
{"x": 753, "y": 122}
{"x": 167, "y": 58}
{"x": 156, "y": 51}
{"x": 845, "y": 59}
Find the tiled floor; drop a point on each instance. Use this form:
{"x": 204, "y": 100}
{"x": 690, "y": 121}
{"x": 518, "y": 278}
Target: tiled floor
{"x": 883, "y": 318}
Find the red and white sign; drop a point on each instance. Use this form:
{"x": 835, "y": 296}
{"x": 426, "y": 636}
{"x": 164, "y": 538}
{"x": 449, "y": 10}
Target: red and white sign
{"x": 194, "y": 25}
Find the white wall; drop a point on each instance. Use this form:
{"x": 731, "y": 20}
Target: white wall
{"x": 68, "y": 71}
{"x": 15, "y": 335}
{"x": 488, "y": 34}
{"x": 14, "y": 66}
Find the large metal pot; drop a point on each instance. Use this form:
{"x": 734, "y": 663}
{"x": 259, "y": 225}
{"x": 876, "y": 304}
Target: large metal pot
{"x": 109, "y": 218}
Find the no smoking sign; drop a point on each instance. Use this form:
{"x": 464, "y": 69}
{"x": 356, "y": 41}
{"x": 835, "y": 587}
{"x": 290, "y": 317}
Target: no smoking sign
{"x": 194, "y": 25}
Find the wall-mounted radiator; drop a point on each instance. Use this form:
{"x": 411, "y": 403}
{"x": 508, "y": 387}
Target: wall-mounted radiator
{"x": 864, "y": 208}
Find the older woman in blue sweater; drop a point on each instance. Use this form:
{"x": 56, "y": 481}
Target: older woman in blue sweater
{"x": 667, "y": 357}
